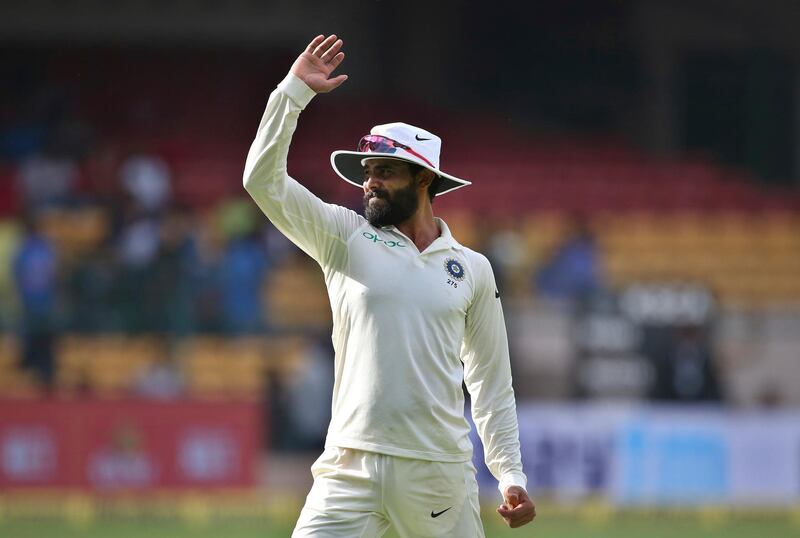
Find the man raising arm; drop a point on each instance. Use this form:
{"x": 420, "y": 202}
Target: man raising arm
{"x": 414, "y": 313}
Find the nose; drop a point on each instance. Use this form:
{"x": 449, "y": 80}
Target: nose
{"x": 371, "y": 184}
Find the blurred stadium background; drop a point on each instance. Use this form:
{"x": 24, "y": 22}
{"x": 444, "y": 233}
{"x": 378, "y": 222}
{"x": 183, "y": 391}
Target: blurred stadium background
{"x": 165, "y": 360}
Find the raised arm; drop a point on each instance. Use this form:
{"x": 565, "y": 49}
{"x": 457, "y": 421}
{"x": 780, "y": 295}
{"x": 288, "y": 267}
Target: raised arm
{"x": 487, "y": 374}
{"x": 320, "y": 229}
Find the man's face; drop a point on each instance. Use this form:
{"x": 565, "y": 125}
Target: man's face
{"x": 390, "y": 192}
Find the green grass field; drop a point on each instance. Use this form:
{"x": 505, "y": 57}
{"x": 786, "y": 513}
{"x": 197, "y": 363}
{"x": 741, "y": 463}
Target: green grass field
{"x": 578, "y": 525}
{"x": 257, "y": 514}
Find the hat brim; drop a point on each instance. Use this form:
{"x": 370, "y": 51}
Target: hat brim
{"x": 347, "y": 165}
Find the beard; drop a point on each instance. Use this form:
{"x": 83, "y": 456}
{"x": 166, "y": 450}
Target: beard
{"x": 393, "y": 209}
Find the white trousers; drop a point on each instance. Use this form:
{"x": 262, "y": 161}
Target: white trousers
{"x": 358, "y": 494}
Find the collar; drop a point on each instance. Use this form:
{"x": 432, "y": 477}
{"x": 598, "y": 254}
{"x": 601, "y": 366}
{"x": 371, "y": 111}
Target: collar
{"x": 443, "y": 242}
{"x": 446, "y": 237}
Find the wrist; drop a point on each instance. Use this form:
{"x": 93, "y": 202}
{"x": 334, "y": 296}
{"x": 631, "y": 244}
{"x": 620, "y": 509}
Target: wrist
{"x": 513, "y": 478}
{"x": 297, "y": 90}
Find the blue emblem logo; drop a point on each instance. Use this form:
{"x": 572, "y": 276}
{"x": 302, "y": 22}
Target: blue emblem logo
{"x": 454, "y": 269}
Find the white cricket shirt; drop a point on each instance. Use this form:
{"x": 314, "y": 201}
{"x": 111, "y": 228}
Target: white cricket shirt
{"x": 408, "y": 326}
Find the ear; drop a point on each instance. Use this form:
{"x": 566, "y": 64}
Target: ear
{"x": 425, "y": 178}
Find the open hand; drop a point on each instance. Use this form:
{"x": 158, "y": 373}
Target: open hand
{"x": 315, "y": 65}
{"x": 518, "y": 508}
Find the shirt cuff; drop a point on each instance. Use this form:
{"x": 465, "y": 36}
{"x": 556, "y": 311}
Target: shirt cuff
{"x": 512, "y": 479}
{"x": 297, "y": 90}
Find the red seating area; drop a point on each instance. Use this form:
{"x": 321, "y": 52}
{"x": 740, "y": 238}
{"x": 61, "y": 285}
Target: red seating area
{"x": 563, "y": 184}
{"x": 201, "y": 110}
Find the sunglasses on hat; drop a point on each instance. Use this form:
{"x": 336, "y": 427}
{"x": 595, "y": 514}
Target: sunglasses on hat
{"x": 382, "y": 144}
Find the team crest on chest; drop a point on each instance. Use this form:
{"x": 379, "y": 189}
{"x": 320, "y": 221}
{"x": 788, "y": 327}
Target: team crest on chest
{"x": 454, "y": 269}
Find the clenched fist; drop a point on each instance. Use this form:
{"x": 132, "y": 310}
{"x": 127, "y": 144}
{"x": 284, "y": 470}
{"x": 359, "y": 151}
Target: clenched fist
{"x": 518, "y": 508}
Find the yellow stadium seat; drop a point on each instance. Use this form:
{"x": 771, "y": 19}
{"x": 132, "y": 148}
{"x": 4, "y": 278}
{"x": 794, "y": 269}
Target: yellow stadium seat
{"x": 296, "y": 297}
{"x": 107, "y": 365}
{"x": 744, "y": 256}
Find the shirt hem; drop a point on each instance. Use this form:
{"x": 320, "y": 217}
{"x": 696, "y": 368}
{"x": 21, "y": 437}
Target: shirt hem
{"x": 399, "y": 452}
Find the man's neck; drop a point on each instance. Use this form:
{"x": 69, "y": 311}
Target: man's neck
{"x": 421, "y": 228}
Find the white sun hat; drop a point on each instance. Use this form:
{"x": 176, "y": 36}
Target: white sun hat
{"x": 395, "y": 141}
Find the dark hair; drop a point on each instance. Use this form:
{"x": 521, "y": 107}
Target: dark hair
{"x": 433, "y": 188}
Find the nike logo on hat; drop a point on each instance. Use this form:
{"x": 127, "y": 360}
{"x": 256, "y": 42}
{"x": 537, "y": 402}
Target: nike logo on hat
{"x": 421, "y": 139}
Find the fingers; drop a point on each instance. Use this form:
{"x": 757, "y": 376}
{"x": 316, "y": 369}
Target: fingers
{"x": 335, "y": 82}
{"x": 336, "y": 61}
{"x": 324, "y": 45}
{"x": 519, "y": 515}
{"x": 331, "y": 52}
{"x": 513, "y": 495}
{"x": 505, "y": 513}
{"x": 314, "y": 42}
{"x": 320, "y": 58}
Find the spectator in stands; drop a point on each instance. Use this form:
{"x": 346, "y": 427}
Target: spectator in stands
{"x": 147, "y": 179}
{"x": 308, "y": 391}
{"x": 158, "y": 271}
{"x": 171, "y": 284}
{"x": 206, "y": 303}
{"x": 160, "y": 380}
{"x": 139, "y": 239}
{"x": 47, "y": 179}
{"x": 49, "y": 144}
{"x": 687, "y": 372}
{"x": 137, "y": 246}
{"x": 242, "y": 270}
{"x": 89, "y": 286}
{"x": 574, "y": 271}
{"x": 35, "y": 276}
